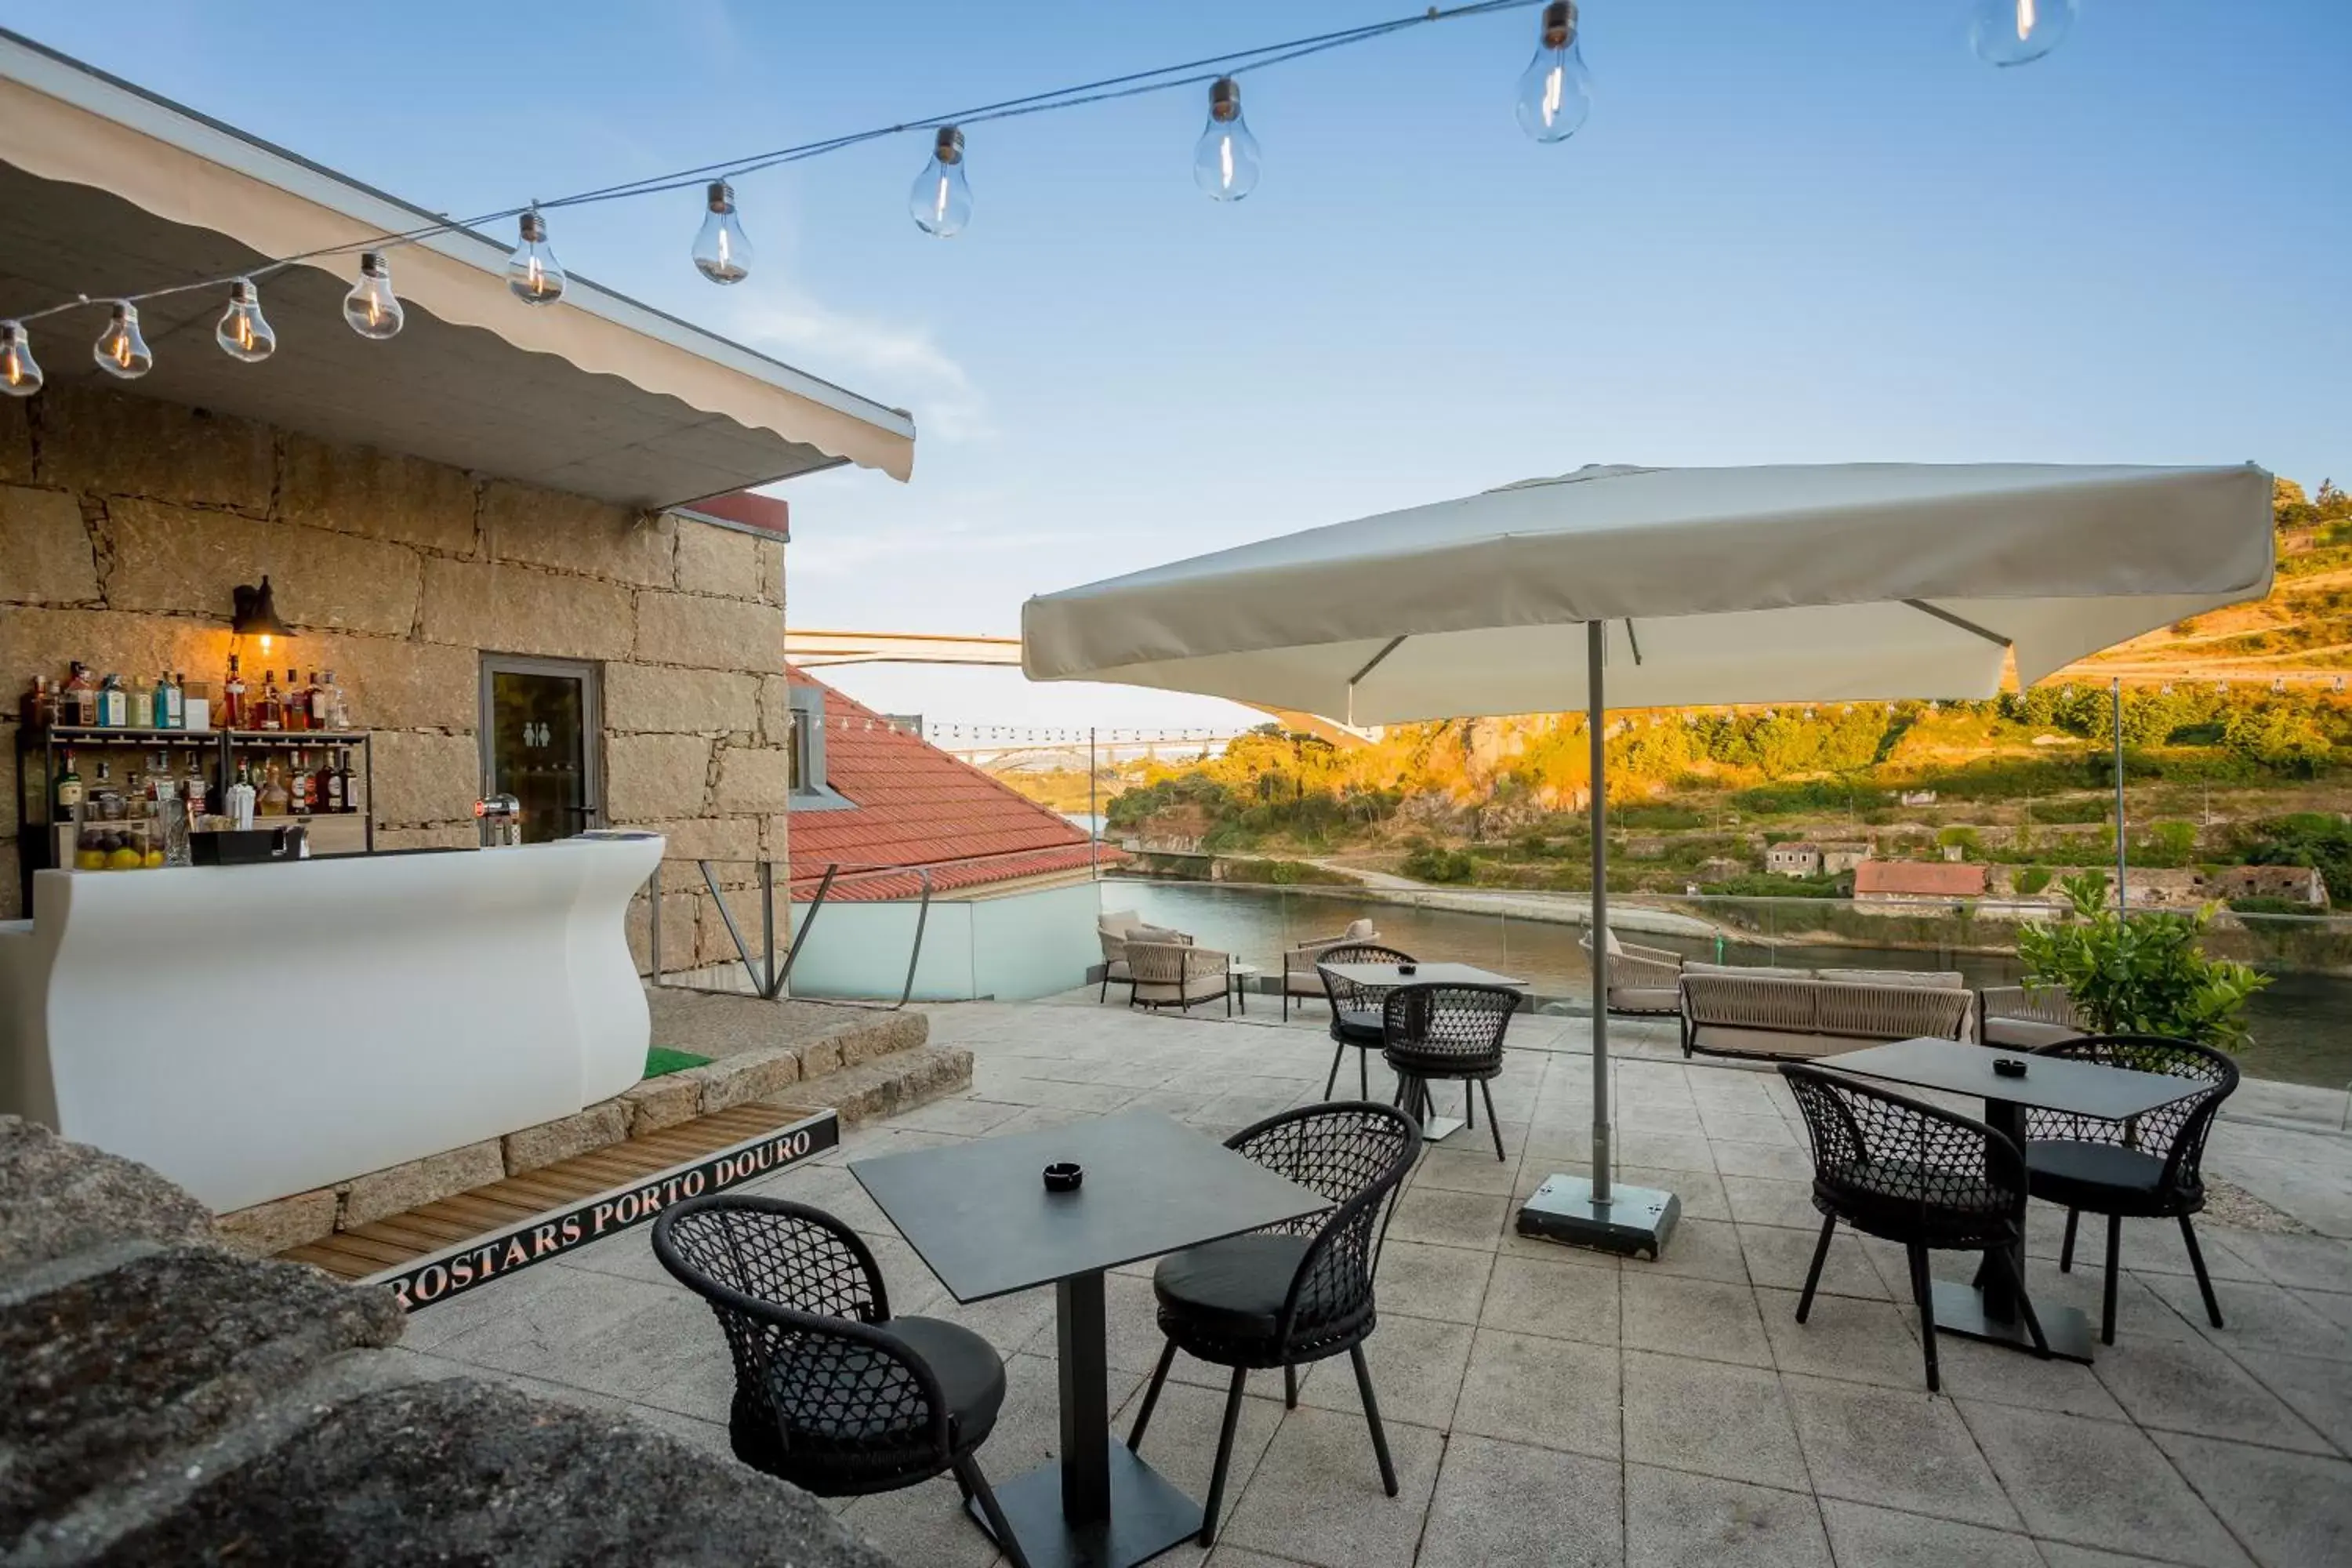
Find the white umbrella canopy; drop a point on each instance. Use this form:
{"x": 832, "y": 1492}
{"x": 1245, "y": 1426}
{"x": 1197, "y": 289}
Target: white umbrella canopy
{"x": 1674, "y": 586}
{"x": 1747, "y": 585}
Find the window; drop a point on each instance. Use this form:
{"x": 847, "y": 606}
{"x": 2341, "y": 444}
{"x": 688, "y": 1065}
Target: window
{"x": 805, "y": 744}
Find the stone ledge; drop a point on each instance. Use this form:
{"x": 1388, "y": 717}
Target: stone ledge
{"x": 604, "y": 1123}
{"x": 882, "y": 1088}
{"x": 63, "y": 1197}
{"x": 274, "y": 1226}
{"x": 459, "y": 1471}
{"x": 100, "y": 1376}
{"x": 420, "y": 1182}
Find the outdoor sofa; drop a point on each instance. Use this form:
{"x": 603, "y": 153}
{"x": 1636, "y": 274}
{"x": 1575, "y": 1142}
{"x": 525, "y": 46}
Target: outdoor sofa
{"x": 1641, "y": 979}
{"x": 1177, "y": 974}
{"x": 2027, "y": 1017}
{"x": 1787, "y": 1015}
{"x": 1113, "y": 930}
{"x": 1300, "y": 976}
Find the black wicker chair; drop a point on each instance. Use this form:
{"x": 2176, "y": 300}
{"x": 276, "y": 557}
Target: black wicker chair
{"x": 1441, "y": 1032}
{"x": 1355, "y": 1009}
{"x": 1295, "y": 1293}
{"x": 832, "y": 1393}
{"x": 1904, "y": 1171}
{"x": 2144, "y": 1168}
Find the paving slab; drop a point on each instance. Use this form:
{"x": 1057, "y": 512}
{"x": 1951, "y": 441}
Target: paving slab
{"x": 2319, "y": 1391}
{"x": 1694, "y": 1317}
{"x": 1881, "y": 1538}
{"x": 1862, "y": 1341}
{"x": 1715, "y": 1419}
{"x": 1556, "y": 1394}
{"x": 2190, "y": 1386}
{"x": 1416, "y": 1365}
{"x": 1316, "y": 1496}
{"x": 1563, "y": 1301}
{"x": 1673, "y": 1520}
{"x": 2288, "y": 1508}
{"x": 1506, "y": 1503}
{"x": 2097, "y": 1483}
{"x": 1903, "y": 1450}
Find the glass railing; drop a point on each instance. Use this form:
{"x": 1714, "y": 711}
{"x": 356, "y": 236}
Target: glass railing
{"x": 2301, "y": 1022}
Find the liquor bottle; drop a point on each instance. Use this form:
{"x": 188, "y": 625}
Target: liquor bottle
{"x": 105, "y": 800}
{"x": 69, "y": 790}
{"x": 175, "y": 701}
{"x": 79, "y": 703}
{"x": 36, "y": 702}
{"x": 297, "y": 785}
{"x": 298, "y": 702}
{"x": 321, "y": 712}
{"x": 272, "y": 799}
{"x": 195, "y": 789}
{"x": 142, "y": 700}
{"x": 113, "y": 703}
{"x": 273, "y": 706}
{"x": 337, "y": 775}
{"x": 233, "y": 713}
{"x": 238, "y": 800}
{"x": 158, "y": 714}
{"x": 339, "y": 712}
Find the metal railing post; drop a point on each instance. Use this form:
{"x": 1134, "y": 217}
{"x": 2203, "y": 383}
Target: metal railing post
{"x": 768, "y": 929}
{"x": 923, "y": 919}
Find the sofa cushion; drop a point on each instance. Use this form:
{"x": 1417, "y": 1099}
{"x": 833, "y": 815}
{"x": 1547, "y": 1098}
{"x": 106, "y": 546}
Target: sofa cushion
{"x": 1731, "y": 1040}
{"x": 2030, "y": 1034}
{"x": 1932, "y": 979}
{"x": 1747, "y": 972}
{"x": 1118, "y": 922}
{"x": 1358, "y": 931}
{"x": 1158, "y": 933}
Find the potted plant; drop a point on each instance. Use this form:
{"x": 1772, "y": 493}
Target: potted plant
{"x": 2138, "y": 973}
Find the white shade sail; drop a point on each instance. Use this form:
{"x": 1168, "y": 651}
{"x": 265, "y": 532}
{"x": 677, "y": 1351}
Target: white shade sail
{"x": 1743, "y": 584}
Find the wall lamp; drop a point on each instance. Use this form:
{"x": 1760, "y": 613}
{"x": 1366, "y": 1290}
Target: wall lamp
{"x": 257, "y": 614}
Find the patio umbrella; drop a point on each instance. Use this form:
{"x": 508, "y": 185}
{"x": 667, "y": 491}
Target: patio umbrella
{"x": 1656, "y": 587}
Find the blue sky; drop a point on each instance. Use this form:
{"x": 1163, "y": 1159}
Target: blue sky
{"x": 1789, "y": 232}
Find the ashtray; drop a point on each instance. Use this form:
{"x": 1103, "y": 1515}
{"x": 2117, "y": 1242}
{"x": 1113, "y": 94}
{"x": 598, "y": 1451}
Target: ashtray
{"x": 1407, "y": 968}
{"x": 1063, "y": 1176}
{"x": 2007, "y": 1066}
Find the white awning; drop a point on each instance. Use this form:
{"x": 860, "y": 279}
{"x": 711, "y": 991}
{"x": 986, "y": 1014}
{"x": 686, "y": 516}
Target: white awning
{"x": 1749, "y": 585}
{"x": 106, "y": 189}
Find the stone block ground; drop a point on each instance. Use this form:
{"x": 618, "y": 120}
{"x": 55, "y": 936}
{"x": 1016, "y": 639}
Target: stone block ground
{"x": 1546, "y": 1405}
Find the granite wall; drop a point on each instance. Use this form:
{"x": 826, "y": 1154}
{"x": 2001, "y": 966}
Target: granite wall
{"x": 125, "y": 521}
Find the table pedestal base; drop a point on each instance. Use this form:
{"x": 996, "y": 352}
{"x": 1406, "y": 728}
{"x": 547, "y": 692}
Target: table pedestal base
{"x": 1438, "y": 1129}
{"x": 1960, "y": 1310}
{"x": 1147, "y": 1516}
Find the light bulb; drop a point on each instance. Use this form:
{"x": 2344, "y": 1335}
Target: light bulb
{"x": 120, "y": 349}
{"x": 371, "y": 307}
{"x": 19, "y": 376}
{"x": 1555, "y": 91}
{"x": 243, "y": 333}
{"x": 531, "y": 271}
{"x": 722, "y": 251}
{"x": 941, "y": 201}
{"x": 2013, "y": 32}
{"x": 1225, "y": 163}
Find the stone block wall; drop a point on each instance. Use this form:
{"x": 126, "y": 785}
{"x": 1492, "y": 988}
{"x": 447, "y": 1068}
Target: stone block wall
{"x": 125, "y": 522}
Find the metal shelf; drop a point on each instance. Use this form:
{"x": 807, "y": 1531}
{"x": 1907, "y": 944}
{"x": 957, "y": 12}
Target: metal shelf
{"x": 128, "y": 735}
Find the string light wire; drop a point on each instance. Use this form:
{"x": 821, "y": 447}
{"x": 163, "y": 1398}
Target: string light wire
{"x": 1134, "y": 84}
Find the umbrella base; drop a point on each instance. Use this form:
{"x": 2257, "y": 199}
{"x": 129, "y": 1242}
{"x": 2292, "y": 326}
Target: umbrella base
{"x": 1635, "y": 1220}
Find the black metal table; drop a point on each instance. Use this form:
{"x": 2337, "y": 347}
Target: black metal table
{"x": 1985, "y": 1308}
{"x": 979, "y": 1216}
{"x": 1437, "y": 1128}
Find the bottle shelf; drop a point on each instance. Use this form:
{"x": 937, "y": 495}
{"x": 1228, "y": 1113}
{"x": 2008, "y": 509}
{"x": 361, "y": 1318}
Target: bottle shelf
{"x": 295, "y": 737}
{"x": 128, "y": 735}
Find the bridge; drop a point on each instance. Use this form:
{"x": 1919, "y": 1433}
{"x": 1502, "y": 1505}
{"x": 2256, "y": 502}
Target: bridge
{"x": 816, "y": 649}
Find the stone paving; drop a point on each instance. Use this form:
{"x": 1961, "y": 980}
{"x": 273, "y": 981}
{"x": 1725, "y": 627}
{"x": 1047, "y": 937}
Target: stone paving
{"x": 1551, "y": 1407}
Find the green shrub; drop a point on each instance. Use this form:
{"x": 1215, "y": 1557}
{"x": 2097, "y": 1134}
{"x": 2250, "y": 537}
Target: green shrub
{"x": 1427, "y": 862}
{"x": 2138, "y": 973}
{"x": 2032, "y": 880}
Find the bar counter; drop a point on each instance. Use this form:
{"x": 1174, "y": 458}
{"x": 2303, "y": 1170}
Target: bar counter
{"x": 256, "y": 1031}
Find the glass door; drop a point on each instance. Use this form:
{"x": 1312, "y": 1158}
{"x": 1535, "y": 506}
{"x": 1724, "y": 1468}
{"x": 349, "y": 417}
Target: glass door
{"x": 540, "y": 721}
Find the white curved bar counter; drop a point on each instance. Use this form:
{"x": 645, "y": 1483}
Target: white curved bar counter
{"x": 256, "y": 1031}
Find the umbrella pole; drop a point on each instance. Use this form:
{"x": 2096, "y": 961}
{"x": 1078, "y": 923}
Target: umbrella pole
{"x": 1593, "y": 1211}
{"x": 1595, "y": 647}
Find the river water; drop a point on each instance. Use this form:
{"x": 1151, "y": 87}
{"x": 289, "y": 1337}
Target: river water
{"x": 2302, "y": 1022}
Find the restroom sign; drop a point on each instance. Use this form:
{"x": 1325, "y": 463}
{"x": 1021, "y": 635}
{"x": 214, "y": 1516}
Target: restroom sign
{"x": 455, "y": 1270}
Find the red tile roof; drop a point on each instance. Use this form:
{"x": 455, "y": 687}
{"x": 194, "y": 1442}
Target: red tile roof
{"x": 1919, "y": 878}
{"x": 916, "y": 805}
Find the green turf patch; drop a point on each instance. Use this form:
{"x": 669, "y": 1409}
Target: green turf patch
{"x": 661, "y": 1059}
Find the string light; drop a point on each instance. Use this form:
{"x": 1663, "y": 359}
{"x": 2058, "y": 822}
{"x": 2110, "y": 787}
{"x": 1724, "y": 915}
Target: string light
{"x": 1555, "y": 91}
{"x": 20, "y": 376}
{"x": 371, "y": 307}
{"x": 244, "y": 334}
{"x": 1226, "y": 159}
{"x": 533, "y": 272}
{"x": 722, "y": 251}
{"x": 120, "y": 349}
{"x": 2018, "y": 32}
{"x": 941, "y": 200}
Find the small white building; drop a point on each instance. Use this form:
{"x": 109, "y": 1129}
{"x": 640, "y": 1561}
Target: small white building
{"x": 1798, "y": 858}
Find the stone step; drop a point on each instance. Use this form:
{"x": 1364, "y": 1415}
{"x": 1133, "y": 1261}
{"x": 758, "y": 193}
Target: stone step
{"x": 759, "y": 1050}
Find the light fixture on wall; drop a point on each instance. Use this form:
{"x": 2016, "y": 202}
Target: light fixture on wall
{"x": 257, "y": 614}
